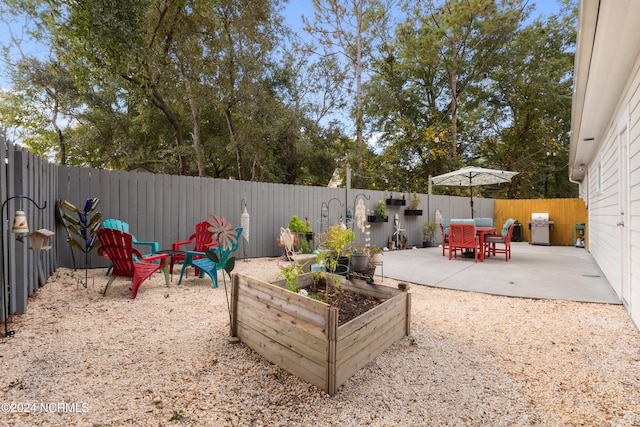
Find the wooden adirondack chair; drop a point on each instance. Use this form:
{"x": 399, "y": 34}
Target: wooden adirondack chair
{"x": 206, "y": 266}
{"x": 124, "y": 227}
{"x": 128, "y": 261}
{"x": 463, "y": 236}
{"x": 201, "y": 240}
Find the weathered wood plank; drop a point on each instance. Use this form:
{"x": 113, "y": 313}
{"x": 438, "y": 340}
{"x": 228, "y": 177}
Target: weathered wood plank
{"x": 396, "y": 304}
{"x": 288, "y": 360}
{"x": 368, "y": 336}
{"x": 292, "y": 338}
{"x": 354, "y": 364}
{"x": 332, "y": 355}
{"x": 287, "y": 301}
{"x": 378, "y": 291}
{"x": 288, "y": 318}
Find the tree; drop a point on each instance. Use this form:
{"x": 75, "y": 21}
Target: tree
{"x": 465, "y": 36}
{"x": 348, "y": 28}
{"x": 527, "y": 115}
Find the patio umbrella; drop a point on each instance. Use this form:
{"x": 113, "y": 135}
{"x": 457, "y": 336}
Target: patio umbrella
{"x": 471, "y": 176}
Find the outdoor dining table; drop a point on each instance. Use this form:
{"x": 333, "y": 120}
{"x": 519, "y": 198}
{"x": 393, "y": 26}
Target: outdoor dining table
{"x": 482, "y": 232}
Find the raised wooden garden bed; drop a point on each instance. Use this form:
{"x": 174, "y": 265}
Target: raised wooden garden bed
{"x": 302, "y": 336}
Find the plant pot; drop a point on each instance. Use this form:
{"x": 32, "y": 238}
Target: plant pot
{"x": 428, "y": 244}
{"x": 359, "y": 262}
{"x": 376, "y": 258}
{"x": 413, "y": 212}
{"x": 342, "y": 267}
{"x": 376, "y": 218}
{"x": 396, "y": 202}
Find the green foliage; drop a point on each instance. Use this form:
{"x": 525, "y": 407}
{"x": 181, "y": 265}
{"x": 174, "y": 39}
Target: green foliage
{"x": 337, "y": 239}
{"x": 375, "y": 250}
{"x": 381, "y": 208}
{"x": 177, "y": 415}
{"x": 305, "y": 246}
{"x": 217, "y": 92}
{"x": 429, "y": 231}
{"x": 414, "y": 202}
{"x": 291, "y": 275}
{"x": 297, "y": 225}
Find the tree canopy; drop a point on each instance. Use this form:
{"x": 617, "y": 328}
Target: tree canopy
{"x": 223, "y": 88}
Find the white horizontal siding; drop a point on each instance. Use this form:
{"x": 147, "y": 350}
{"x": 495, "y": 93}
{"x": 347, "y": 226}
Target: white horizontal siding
{"x": 605, "y": 197}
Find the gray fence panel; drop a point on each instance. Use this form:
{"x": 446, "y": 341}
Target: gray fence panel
{"x": 166, "y": 208}
{"x": 24, "y": 270}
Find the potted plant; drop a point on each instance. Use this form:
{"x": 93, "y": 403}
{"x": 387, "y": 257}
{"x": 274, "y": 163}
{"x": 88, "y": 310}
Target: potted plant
{"x": 414, "y": 203}
{"x": 375, "y": 255}
{"x": 337, "y": 239}
{"x": 359, "y": 259}
{"x": 429, "y": 234}
{"x": 381, "y": 214}
{"x": 303, "y": 231}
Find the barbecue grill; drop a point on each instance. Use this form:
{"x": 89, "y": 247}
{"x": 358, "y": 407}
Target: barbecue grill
{"x": 540, "y": 226}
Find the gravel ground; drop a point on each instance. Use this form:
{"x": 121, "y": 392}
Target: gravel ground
{"x": 78, "y": 358}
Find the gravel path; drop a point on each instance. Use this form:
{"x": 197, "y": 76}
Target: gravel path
{"x": 78, "y": 358}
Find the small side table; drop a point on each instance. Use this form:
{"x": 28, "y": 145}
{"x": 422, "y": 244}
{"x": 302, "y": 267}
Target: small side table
{"x": 171, "y": 254}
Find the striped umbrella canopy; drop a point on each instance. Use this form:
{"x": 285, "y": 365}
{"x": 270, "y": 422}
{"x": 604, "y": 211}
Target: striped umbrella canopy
{"x": 471, "y": 176}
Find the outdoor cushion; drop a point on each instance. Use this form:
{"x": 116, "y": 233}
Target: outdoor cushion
{"x": 463, "y": 221}
{"x": 483, "y": 222}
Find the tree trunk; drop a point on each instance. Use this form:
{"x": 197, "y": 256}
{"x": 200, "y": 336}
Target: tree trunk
{"x": 233, "y": 139}
{"x": 54, "y": 122}
{"x": 197, "y": 128}
{"x": 359, "y": 97}
{"x": 158, "y": 101}
{"x": 454, "y": 110}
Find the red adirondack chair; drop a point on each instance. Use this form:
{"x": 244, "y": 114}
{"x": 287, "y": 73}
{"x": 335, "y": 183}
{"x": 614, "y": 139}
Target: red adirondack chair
{"x": 463, "y": 236}
{"x": 128, "y": 261}
{"x": 201, "y": 240}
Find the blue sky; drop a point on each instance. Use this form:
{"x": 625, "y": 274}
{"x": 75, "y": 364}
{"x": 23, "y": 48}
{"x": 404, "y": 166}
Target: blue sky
{"x": 296, "y": 8}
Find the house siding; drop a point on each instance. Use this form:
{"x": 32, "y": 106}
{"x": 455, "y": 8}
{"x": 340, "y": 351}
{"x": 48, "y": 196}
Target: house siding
{"x": 605, "y": 194}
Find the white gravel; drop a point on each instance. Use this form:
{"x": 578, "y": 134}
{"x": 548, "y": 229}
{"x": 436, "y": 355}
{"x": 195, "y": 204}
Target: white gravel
{"x": 78, "y": 358}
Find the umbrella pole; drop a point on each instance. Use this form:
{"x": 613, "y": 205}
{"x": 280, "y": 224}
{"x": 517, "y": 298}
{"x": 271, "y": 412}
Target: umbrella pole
{"x": 471, "y": 192}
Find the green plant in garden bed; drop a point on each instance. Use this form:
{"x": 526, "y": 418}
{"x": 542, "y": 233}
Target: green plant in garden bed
{"x": 337, "y": 239}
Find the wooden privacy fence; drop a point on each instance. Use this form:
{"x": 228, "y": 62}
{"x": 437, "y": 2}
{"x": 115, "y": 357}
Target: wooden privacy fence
{"x": 565, "y": 214}
{"x": 165, "y": 208}
{"x": 23, "y": 270}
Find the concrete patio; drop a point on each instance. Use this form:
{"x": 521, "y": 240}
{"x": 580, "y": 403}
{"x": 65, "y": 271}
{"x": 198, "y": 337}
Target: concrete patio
{"x": 544, "y": 272}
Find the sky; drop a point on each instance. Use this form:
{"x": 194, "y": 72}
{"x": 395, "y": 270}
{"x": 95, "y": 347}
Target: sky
{"x": 296, "y": 8}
